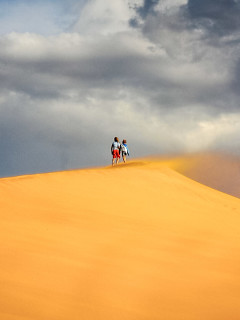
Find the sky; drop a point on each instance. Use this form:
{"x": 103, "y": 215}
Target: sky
{"x": 163, "y": 74}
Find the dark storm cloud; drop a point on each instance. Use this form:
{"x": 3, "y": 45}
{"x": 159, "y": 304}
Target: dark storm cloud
{"x": 113, "y": 69}
{"x": 235, "y": 83}
{"x": 51, "y": 75}
{"x": 192, "y": 36}
{"x": 221, "y": 19}
{"x": 218, "y": 16}
{"x": 148, "y": 7}
{"x": 38, "y": 136}
{"x": 142, "y": 11}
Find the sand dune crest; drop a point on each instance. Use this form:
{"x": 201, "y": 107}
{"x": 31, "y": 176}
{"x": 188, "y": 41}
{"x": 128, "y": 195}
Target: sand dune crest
{"x": 216, "y": 170}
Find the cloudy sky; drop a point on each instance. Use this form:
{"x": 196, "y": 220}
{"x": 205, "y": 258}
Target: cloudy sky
{"x": 163, "y": 74}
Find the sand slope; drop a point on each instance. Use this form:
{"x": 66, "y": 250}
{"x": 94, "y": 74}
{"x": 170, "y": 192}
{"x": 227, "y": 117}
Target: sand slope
{"x": 216, "y": 170}
{"x": 139, "y": 241}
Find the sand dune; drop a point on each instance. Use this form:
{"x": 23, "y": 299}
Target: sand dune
{"x": 138, "y": 241}
{"x": 216, "y": 170}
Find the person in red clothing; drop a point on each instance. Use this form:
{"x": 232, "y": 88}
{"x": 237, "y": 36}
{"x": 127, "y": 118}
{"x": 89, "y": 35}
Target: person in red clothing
{"x": 115, "y": 150}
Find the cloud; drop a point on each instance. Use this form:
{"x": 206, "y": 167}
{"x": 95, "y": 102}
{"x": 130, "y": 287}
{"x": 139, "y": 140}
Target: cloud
{"x": 164, "y": 85}
{"x": 218, "y": 16}
{"x": 147, "y": 7}
{"x": 103, "y": 17}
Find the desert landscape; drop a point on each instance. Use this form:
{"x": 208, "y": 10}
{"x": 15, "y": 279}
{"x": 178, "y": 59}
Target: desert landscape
{"x": 137, "y": 241}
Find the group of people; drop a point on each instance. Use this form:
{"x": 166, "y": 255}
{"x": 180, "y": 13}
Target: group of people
{"x": 118, "y": 149}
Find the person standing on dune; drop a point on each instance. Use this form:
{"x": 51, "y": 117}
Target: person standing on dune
{"x": 115, "y": 150}
{"x": 124, "y": 150}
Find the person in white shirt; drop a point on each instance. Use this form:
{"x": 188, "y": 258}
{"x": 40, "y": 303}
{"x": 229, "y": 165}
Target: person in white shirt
{"x": 115, "y": 150}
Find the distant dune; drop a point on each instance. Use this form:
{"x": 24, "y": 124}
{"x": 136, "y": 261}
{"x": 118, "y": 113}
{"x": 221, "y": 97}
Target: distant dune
{"x": 139, "y": 241}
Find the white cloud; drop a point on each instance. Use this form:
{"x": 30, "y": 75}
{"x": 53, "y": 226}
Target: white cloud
{"x": 165, "y": 5}
{"x": 104, "y": 17}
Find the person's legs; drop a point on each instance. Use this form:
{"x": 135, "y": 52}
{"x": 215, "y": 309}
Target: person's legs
{"x": 116, "y": 156}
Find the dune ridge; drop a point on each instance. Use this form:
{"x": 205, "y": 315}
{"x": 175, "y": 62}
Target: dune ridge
{"x": 217, "y": 170}
{"x": 137, "y": 241}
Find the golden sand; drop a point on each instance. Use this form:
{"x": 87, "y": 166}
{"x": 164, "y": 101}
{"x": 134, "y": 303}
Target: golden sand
{"x": 138, "y": 241}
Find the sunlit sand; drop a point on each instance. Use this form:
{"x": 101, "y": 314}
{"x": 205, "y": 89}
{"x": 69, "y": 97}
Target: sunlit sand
{"x": 137, "y": 241}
